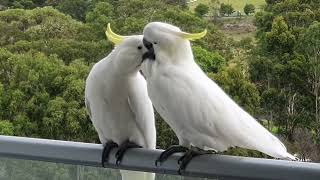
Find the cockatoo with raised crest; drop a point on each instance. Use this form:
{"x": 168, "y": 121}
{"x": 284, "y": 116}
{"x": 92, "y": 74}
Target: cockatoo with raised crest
{"x": 201, "y": 114}
{"x": 117, "y": 101}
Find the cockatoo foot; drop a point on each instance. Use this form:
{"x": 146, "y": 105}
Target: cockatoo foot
{"x": 123, "y": 148}
{"x": 168, "y": 152}
{"x": 106, "y": 151}
{"x": 187, "y": 157}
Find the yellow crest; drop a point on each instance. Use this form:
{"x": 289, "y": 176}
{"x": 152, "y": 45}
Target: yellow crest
{"x": 113, "y": 37}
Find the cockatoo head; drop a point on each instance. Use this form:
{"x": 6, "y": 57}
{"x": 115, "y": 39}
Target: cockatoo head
{"x": 168, "y": 42}
{"x": 129, "y": 51}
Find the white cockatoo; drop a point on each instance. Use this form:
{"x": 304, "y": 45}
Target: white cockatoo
{"x": 117, "y": 101}
{"x": 196, "y": 108}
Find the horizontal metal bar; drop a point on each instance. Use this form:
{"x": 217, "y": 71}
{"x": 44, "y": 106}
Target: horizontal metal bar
{"x": 210, "y": 166}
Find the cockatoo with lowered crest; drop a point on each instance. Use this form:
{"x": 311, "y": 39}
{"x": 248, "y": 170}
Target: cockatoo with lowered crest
{"x": 201, "y": 114}
{"x": 117, "y": 101}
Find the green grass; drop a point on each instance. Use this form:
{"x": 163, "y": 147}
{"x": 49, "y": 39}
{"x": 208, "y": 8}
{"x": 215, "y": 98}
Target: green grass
{"x": 238, "y": 5}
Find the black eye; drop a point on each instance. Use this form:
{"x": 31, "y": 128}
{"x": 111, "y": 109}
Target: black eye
{"x": 139, "y": 47}
{"x": 155, "y": 43}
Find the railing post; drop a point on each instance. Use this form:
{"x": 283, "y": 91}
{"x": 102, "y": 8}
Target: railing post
{"x": 78, "y": 172}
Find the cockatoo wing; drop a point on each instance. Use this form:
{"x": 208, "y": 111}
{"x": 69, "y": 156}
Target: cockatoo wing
{"x": 202, "y": 114}
{"x": 141, "y": 106}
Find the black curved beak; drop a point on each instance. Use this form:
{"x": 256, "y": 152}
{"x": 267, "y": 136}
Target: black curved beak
{"x": 150, "y": 53}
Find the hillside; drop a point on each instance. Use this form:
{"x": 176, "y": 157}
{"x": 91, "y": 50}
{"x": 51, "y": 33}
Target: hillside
{"x": 236, "y": 4}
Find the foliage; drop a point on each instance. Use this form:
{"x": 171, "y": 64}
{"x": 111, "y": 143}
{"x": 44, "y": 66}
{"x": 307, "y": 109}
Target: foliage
{"x": 48, "y": 31}
{"x": 285, "y": 64}
{"x": 235, "y": 83}
{"x": 25, "y": 4}
{"x": 201, "y": 10}
{"x": 208, "y": 61}
{"x": 165, "y": 135}
{"x": 6, "y": 127}
{"x": 43, "y": 97}
{"x": 249, "y": 9}
{"x": 75, "y": 8}
{"x": 309, "y": 45}
{"x": 226, "y": 9}
{"x": 280, "y": 39}
{"x": 236, "y": 4}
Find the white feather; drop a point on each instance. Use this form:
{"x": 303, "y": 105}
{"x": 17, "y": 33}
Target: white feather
{"x": 117, "y": 100}
{"x": 198, "y": 110}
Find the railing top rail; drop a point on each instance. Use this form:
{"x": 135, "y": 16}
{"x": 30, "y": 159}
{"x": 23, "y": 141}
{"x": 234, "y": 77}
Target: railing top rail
{"x": 210, "y": 166}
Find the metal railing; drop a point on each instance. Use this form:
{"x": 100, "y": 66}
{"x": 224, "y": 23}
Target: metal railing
{"x": 209, "y": 166}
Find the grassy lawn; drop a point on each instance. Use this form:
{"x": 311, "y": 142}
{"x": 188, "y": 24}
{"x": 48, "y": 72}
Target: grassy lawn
{"x": 236, "y": 4}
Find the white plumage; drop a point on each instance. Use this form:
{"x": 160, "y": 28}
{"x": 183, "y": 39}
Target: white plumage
{"x": 117, "y": 100}
{"x": 197, "y": 109}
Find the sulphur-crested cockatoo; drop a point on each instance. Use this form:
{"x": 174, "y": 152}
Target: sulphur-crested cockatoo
{"x": 118, "y": 103}
{"x": 196, "y": 108}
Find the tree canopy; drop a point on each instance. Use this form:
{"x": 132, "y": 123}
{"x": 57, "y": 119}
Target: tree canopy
{"x": 249, "y": 9}
{"x": 226, "y": 9}
{"x": 285, "y": 64}
{"x": 201, "y": 10}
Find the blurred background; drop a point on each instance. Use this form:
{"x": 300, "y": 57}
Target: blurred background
{"x": 264, "y": 54}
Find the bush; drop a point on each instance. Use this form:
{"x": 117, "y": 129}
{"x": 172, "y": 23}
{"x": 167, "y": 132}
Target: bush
{"x": 208, "y": 61}
{"x": 249, "y": 8}
{"x": 226, "y": 9}
{"x": 201, "y": 10}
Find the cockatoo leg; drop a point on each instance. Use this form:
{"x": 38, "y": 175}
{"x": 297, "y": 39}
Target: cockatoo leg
{"x": 123, "y": 148}
{"x": 168, "y": 152}
{"x": 106, "y": 151}
{"x": 187, "y": 157}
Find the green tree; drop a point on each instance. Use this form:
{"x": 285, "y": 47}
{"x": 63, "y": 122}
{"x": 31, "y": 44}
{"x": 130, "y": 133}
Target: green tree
{"x": 48, "y": 31}
{"x": 75, "y": 8}
{"x": 23, "y": 4}
{"x": 6, "y": 128}
{"x": 214, "y": 8}
{"x": 209, "y": 62}
{"x": 99, "y": 17}
{"x": 263, "y": 20}
{"x": 236, "y": 84}
{"x": 310, "y": 47}
{"x": 226, "y": 9}
{"x": 280, "y": 39}
{"x": 249, "y": 9}
{"x": 282, "y": 67}
{"x": 165, "y": 135}
{"x": 201, "y": 10}
{"x": 44, "y": 96}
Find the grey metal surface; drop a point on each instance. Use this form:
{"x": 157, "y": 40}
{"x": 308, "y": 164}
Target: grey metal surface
{"x": 210, "y": 166}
